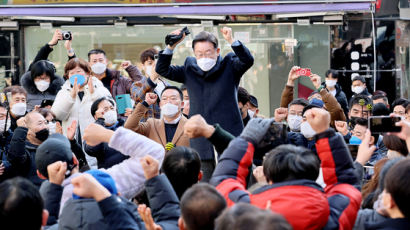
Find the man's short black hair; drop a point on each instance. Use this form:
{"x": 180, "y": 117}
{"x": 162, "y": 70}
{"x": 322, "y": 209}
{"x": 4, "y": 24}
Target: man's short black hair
{"x": 362, "y": 122}
{"x": 148, "y": 54}
{"x": 333, "y": 72}
{"x": 200, "y": 206}
{"x": 96, "y": 103}
{"x": 299, "y": 101}
{"x": 289, "y": 162}
{"x": 21, "y": 205}
{"x": 246, "y": 216}
{"x": 397, "y": 183}
{"x": 243, "y": 95}
{"x": 399, "y": 101}
{"x": 380, "y": 96}
{"x": 96, "y": 51}
{"x": 205, "y": 36}
{"x": 42, "y": 67}
{"x": 175, "y": 88}
{"x": 359, "y": 78}
{"x": 182, "y": 165}
{"x": 380, "y": 109}
{"x": 357, "y": 98}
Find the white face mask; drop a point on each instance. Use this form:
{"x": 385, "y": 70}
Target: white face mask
{"x": 307, "y": 130}
{"x": 148, "y": 70}
{"x": 42, "y": 85}
{"x": 2, "y": 122}
{"x": 357, "y": 89}
{"x": 110, "y": 117}
{"x": 52, "y": 127}
{"x": 98, "y": 68}
{"x": 169, "y": 110}
{"x": 331, "y": 83}
{"x": 19, "y": 109}
{"x": 206, "y": 64}
{"x": 294, "y": 122}
{"x": 251, "y": 113}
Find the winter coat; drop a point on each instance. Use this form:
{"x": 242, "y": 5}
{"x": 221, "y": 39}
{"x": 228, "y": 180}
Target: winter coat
{"x": 154, "y": 128}
{"x": 367, "y": 216}
{"x": 120, "y": 84}
{"x": 341, "y": 98}
{"x": 128, "y": 175}
{"x": 22, "y": 156}
{"x": 390, "y": 224}
{"x": 332, "y": 106}
{"x": 34, "y": 96}
{"x": 335, "y": 207}
{"x": 106, "y": 156}
{"x": 115, "y": 213}
{"x": 67, "y": 109}
{"x": 5, "y": 140}
{"x": 212, "y": 94}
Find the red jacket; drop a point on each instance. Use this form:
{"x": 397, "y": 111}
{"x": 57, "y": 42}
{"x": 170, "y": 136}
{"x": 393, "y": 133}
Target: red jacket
{"x": 303, "y": 203}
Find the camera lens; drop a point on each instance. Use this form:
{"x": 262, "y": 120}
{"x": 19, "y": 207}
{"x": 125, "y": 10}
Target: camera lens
{"x": 66, "y": 35}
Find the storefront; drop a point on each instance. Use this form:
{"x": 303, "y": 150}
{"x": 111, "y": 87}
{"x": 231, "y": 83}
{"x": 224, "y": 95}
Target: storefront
{"x": 280, "y": 34}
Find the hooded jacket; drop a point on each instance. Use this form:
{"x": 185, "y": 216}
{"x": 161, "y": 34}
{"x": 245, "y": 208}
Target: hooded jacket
{"x": 34, "y": 96}
{"x": 303, "y": 203}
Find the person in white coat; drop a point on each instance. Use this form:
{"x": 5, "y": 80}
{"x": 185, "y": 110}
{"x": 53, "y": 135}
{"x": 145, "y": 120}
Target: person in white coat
{"x": 74, "y": 100}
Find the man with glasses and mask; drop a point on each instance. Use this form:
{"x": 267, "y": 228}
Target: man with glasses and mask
{"x": 32, "y": 130}
{"x": 212, "y": 82}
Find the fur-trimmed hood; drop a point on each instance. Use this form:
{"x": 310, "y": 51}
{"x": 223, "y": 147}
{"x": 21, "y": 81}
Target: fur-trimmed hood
{"x": 28, "y": 84}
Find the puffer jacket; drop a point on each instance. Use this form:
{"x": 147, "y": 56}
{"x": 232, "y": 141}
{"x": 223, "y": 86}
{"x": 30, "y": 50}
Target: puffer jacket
{"x": 335, "y": 207}
{"x": 106, "y": 156}
{"x": 34, "y": 96}
{"x": 68, "y": 109}
{"x": 128, "y": 175}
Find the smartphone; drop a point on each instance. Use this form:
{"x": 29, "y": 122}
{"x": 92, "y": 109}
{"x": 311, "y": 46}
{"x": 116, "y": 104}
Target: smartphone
{"x": 304, "y": 72}
{"x": 353, "y": 150}
{"x": 384, "y": 124}
{"x": 123, "y": 101}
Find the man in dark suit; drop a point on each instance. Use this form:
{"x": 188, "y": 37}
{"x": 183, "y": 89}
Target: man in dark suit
{"x": 212, "y": 82}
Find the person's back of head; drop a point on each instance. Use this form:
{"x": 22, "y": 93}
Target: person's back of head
{"x": 21, "y": 206}
{"x": 380, "y": 109}
{"x": 243, "y": 95}
{"x": 397, "y": 190}
{"x": 289, "y": 162}
{"x": 182, "y": 166}
{"x": 200, "y": 206}
{"x": 246, "y": 216}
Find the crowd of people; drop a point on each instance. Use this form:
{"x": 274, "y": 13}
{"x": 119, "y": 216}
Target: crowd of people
{"x": 199, "y": 156}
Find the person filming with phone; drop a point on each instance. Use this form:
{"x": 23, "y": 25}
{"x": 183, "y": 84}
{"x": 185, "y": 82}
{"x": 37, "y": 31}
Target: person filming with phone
{"x": 210, "y": 79}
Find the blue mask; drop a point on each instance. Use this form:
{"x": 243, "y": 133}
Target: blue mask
{"x": 355, "y": 141}
{"x": 80, "y": 79}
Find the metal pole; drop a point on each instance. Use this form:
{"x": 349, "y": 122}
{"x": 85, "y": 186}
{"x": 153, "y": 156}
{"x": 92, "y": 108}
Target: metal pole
{"x": 374, "y": 49}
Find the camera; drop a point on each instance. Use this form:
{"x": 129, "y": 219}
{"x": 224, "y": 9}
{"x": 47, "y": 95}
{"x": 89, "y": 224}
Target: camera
{"x": 172, "y": 39}
{"x": 304, "y": 72}
{"x": 66, "y": 35}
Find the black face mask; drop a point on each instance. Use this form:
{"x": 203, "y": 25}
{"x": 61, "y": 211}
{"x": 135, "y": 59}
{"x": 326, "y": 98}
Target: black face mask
{"x": 42, "y": 135}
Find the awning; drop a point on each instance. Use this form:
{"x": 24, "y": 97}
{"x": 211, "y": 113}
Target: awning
{"x": 90, "y": 10}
